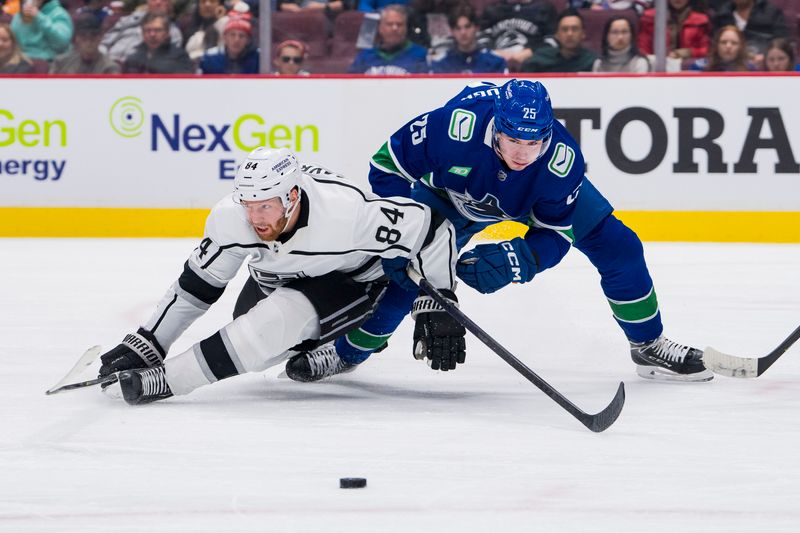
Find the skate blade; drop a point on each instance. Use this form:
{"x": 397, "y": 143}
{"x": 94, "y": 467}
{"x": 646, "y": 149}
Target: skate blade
{"x": 656, "y": 373}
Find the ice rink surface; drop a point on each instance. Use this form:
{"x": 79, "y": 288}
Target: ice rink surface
{"x": 475, "y": 450}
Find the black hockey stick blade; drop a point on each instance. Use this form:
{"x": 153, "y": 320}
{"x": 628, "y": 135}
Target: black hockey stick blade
{"x": 603, "y": 420}
{"x": 111, "y": 378}
{"x": 596, "y": 422}
{"x": 746, "y": 367}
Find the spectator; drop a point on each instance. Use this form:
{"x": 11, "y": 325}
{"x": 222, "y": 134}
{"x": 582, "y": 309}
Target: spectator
{"x": 207, "y": 24}
{"x": 126, "y": 35}
{"x": 238, "y": 55}
{"x": 619, "y": 50}
{"x": 758, "y": 19}
{"x": 728, "y": 53}
{"x": 780, "y": 56}
{"x": 43, "y": 29}
{"x": 569, "y": 55}
{"x": 688, "y": 31}
{"x": 394, "y": 53}
{"x": 637, "y": 5}
{"x": 289, "y": 58}
{"x": 374, "y": 6}
{"x": 95, "y": 8}
{"x": 331, "y": 7}
{"x": 514, "y": 29}
{"x": 467, "y": 57}
{"x": 85, "y": 57}
{"x": 157, "y": 54}
{"x": 428, "y": 26}
{"x": 12, "y": 60}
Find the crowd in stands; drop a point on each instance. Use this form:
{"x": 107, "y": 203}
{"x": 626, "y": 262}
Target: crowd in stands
{"x": 394, "y": 37}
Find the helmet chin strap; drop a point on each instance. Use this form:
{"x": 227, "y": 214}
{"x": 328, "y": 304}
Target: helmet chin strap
{"x": 290, "y": 210}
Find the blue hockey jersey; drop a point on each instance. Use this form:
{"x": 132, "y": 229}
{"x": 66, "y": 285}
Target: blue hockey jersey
{"x": 411, "y": 59}
{"x": 476, "y": 61}
{"x": 446, "y": 159}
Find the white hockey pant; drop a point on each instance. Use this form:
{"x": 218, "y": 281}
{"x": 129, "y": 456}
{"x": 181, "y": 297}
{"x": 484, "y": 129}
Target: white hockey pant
{"x": 257, "y": 340}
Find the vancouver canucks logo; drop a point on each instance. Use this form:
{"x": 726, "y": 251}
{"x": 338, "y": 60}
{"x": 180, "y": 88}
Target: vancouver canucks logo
{"x": 561, "y": 161}
{"x": 485, "y": 210}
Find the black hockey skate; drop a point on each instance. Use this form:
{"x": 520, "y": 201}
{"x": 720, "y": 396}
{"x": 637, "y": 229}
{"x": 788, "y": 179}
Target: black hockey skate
{"x": 666, "y": 360}
{"x": 320, "y": 363}
{"x": 144, "y": 385}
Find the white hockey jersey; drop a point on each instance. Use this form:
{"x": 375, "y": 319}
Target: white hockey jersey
{"x": 340, "y": 228}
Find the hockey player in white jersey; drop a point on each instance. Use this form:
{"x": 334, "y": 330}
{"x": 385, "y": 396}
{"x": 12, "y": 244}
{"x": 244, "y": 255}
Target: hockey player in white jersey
{"x": 319, "y": 251}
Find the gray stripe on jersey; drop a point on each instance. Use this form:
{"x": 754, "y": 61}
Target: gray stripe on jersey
{"x": 343, "y": 310}
{"x": 190, "y": 298}
{"x": 232, "y": 352}
{"x": 205, "y": 276}
{"x": 201, "y": 361}
{"x": 370, "y": 275}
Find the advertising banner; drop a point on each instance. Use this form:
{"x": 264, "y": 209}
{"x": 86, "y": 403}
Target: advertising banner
{"x": 652, "y": 144}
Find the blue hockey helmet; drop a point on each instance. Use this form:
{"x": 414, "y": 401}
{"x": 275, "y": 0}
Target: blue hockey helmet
{"x": 523, "y": 111}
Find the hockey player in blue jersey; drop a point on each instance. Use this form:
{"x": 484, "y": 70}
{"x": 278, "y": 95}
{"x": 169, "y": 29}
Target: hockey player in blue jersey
{"x": 495, "y": 153}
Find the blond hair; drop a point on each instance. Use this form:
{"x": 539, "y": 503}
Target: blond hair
{"x": 16, "y": 56}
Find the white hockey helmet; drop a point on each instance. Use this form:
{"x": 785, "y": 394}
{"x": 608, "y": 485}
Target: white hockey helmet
{"x": 267, "y": 173}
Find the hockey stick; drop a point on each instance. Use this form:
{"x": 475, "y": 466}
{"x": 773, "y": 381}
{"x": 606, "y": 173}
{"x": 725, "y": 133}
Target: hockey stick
{"x": 597, "y": 422}
{"x": 111, "y": 378}
{"x": 746, "y": 367}
{"x": 80, "y": 365}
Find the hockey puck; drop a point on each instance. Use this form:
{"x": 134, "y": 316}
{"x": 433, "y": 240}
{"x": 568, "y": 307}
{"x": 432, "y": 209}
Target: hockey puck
{"x": 352, "y": 482}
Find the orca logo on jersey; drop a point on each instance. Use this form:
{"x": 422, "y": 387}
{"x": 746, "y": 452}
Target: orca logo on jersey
{"x": 513, "y": 261}
{"x": 486, "y": 210}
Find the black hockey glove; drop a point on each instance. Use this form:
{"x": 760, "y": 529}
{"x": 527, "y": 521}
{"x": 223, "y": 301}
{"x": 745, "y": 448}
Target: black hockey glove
{"x": 438, "y": 337}
{"x": 137, "y": 350}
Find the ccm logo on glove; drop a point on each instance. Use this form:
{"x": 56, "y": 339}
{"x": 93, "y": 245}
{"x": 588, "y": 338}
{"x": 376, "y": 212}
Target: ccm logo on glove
{"x": 489, "y": 267}
{"x": 513, "y": 261}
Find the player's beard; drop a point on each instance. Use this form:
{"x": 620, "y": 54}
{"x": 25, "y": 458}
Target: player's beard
{"x": 270, "y": 232}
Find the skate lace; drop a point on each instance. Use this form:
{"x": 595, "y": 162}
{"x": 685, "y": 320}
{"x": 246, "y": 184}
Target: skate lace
{"x": 671, "y": 351}
{"x": 154, "y": 382}
{"x": 325, "y": 362}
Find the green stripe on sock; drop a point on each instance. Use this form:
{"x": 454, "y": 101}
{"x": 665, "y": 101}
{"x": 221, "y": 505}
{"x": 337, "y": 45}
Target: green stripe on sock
{"x": 366, "y": 341}
{"x": 383, "y": 158}
{"x": 637, "y": 310}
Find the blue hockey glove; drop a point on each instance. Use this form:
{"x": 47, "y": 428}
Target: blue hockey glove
{"x": 395, "y": 269}
{"x": 489, "y": 267}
